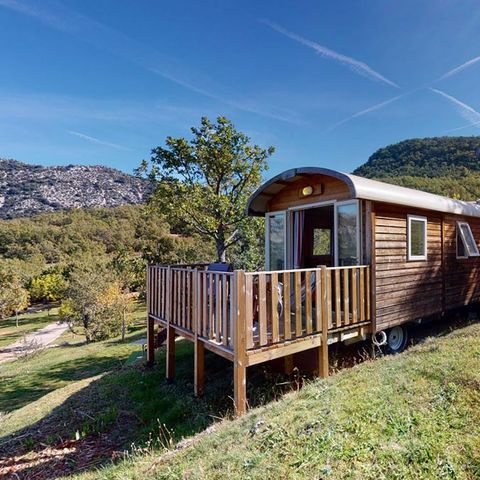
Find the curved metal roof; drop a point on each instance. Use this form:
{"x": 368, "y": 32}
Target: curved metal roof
{"x": 362, "y": 188}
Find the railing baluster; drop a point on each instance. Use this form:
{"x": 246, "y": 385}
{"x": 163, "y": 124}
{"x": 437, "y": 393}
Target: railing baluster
{"x": 318, "y": 299}
{"x": 287, "y": 325}
{"x": 329, "y": 299}
{"x": 211, "y": 306}
{"x": 361, "y": 272}
{"x": 159, "y": 290}
{"x": 346, "y": 298}
{"x": 224, "y": 310}
{"x": 218, "y": 308}
{"x": 249, "y": 310}
{"x": 274, "y": 283}
{"x": 262, "y": 300}
{"x": 338, "y": 306}
{"x": 308, "y": 302}
{"x": 298, "y": 304}
{"x": 367, "y": 295}
{"x": 204, "y": 305}
{"x": 354, "y": 296}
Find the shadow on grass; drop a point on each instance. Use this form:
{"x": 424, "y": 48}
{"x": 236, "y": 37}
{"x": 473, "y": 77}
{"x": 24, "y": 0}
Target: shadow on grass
{"x": 15, "y": 394}
{"x": 133, "y": 404}
{"x": 130, "y": 404}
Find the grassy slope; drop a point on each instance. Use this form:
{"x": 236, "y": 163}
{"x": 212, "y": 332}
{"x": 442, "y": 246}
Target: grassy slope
{"x": 413, "y": 416}
{"x": 27, "y": 323}
{"x": 79, "y": 391}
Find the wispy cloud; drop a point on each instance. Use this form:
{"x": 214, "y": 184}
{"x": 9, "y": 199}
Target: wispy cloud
{"x": 103, "y": 37}
{"x": 357, "y": 66}
{"x": 461, "y": 67}
{"x": 97, "y": 141}
{"x": 463, "y": 127}
{"x": 466, "y": 111}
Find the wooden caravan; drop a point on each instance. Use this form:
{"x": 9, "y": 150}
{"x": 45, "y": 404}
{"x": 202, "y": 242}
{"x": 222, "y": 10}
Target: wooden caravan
{"x": 346, "y": 257}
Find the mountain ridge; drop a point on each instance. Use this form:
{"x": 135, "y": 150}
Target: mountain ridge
{"x": 26, "y": 190}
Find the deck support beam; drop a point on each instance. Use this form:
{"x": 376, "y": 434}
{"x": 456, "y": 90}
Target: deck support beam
{"x": 323, "y": 348}
{"x": 170, "y": 360}
{"x": 199, "y": 367}
{"x": 150, "y": 341}
{"x": 240, "y": 346}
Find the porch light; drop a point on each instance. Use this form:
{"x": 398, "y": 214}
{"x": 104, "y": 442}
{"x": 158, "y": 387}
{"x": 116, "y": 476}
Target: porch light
{"x": 307, "y": 191}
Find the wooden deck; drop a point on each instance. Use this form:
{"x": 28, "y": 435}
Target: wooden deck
{"x": 253, "y": 317}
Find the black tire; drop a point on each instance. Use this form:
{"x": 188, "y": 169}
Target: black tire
{"x": 397, "y": 340}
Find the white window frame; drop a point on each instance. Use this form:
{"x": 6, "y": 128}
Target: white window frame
{"x": 466, "y": 247}
{"x": 418, "y": 218}
{"x": 267, "y": 237}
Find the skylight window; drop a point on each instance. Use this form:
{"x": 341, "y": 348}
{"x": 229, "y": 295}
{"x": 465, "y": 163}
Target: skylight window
{"x": 466, "y": 245}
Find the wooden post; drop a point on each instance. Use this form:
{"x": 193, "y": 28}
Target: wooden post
{"x": 323, "y": 349}
{"x": 240, "y": 351}
{"x": 373, "y": 270}
{"x": 170, "y": 357}
{"x": 199, "y": 360}
{"x": 150, "y": 322}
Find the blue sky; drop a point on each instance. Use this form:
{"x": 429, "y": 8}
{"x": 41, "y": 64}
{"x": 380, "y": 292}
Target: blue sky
{"x": 326, "y": 83}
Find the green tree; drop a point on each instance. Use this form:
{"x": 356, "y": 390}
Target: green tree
{"x": 205, "y": 182}
{"x": 13, "y": 296}
{"x": 49, "y": 287}
{"x": 95, "y": 304}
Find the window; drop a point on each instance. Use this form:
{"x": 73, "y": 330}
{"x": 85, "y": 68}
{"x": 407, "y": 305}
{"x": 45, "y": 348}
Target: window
{"x": 417, "y": 238}
{"x": 348, "y": 238}
{"x": 322, "y": 241}
{"x": 275, "y": 237}
{"x": 466, "y": 245}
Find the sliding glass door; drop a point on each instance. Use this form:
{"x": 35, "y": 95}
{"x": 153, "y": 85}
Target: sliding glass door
{"x": 347, "y": 233}
{"x": 276, "y": 241}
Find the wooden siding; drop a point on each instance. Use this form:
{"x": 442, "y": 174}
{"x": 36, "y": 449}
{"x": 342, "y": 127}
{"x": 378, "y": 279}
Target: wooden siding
{"x": 462, "y": 275}
{"x": 408, "y": 290}
{"x": 324, "y": 189}
{"x": 405, "y": 290}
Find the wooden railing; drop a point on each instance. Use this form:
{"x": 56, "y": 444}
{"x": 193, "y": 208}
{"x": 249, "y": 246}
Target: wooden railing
{"x": 278, "y": 306}
{"x": 291, "y": 304}
{"x": 194, "y": 300}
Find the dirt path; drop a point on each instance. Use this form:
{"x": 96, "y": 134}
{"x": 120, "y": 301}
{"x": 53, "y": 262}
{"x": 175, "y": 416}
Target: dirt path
{"x": 39, "y": 339}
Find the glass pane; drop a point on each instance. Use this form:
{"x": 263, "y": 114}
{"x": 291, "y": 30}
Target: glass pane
{"x": 347, "y": 234}
{"x": 460, "y": 245}
{"x": 321, "y": 241}
{"x": 276, "y": 226}
{"x": 470, "y": 241}
{"x": 417, "y": 238}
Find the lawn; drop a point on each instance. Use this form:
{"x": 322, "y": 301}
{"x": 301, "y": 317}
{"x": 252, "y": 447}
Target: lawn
{"x": 79, "y": 394}
{"x": 27, "y": 323}
{"x": 412, "y": 416}
{"x": 78, "y": 406}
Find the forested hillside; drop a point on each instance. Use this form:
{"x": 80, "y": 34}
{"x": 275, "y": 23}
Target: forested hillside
{"x": 40, "y": 255}
{"x": 447, "y": 166}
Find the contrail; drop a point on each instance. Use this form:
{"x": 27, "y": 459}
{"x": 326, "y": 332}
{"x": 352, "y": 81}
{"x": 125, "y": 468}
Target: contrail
{"x": 466, "y": 111}
{"x": 461, "y": 67}
{"x": 88, "y": 138}
{"x": 476, "y": 124}
{"x": 378, "y": 106}
{"x": 356, "y": 65}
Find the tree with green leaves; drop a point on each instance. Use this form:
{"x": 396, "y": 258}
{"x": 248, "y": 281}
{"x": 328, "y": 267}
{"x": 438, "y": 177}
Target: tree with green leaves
{"x": 13, "y": 296}
{"x": 95, "y": 304}
{"x": 205, "y": 182}
{"x": 48, "y": 287}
